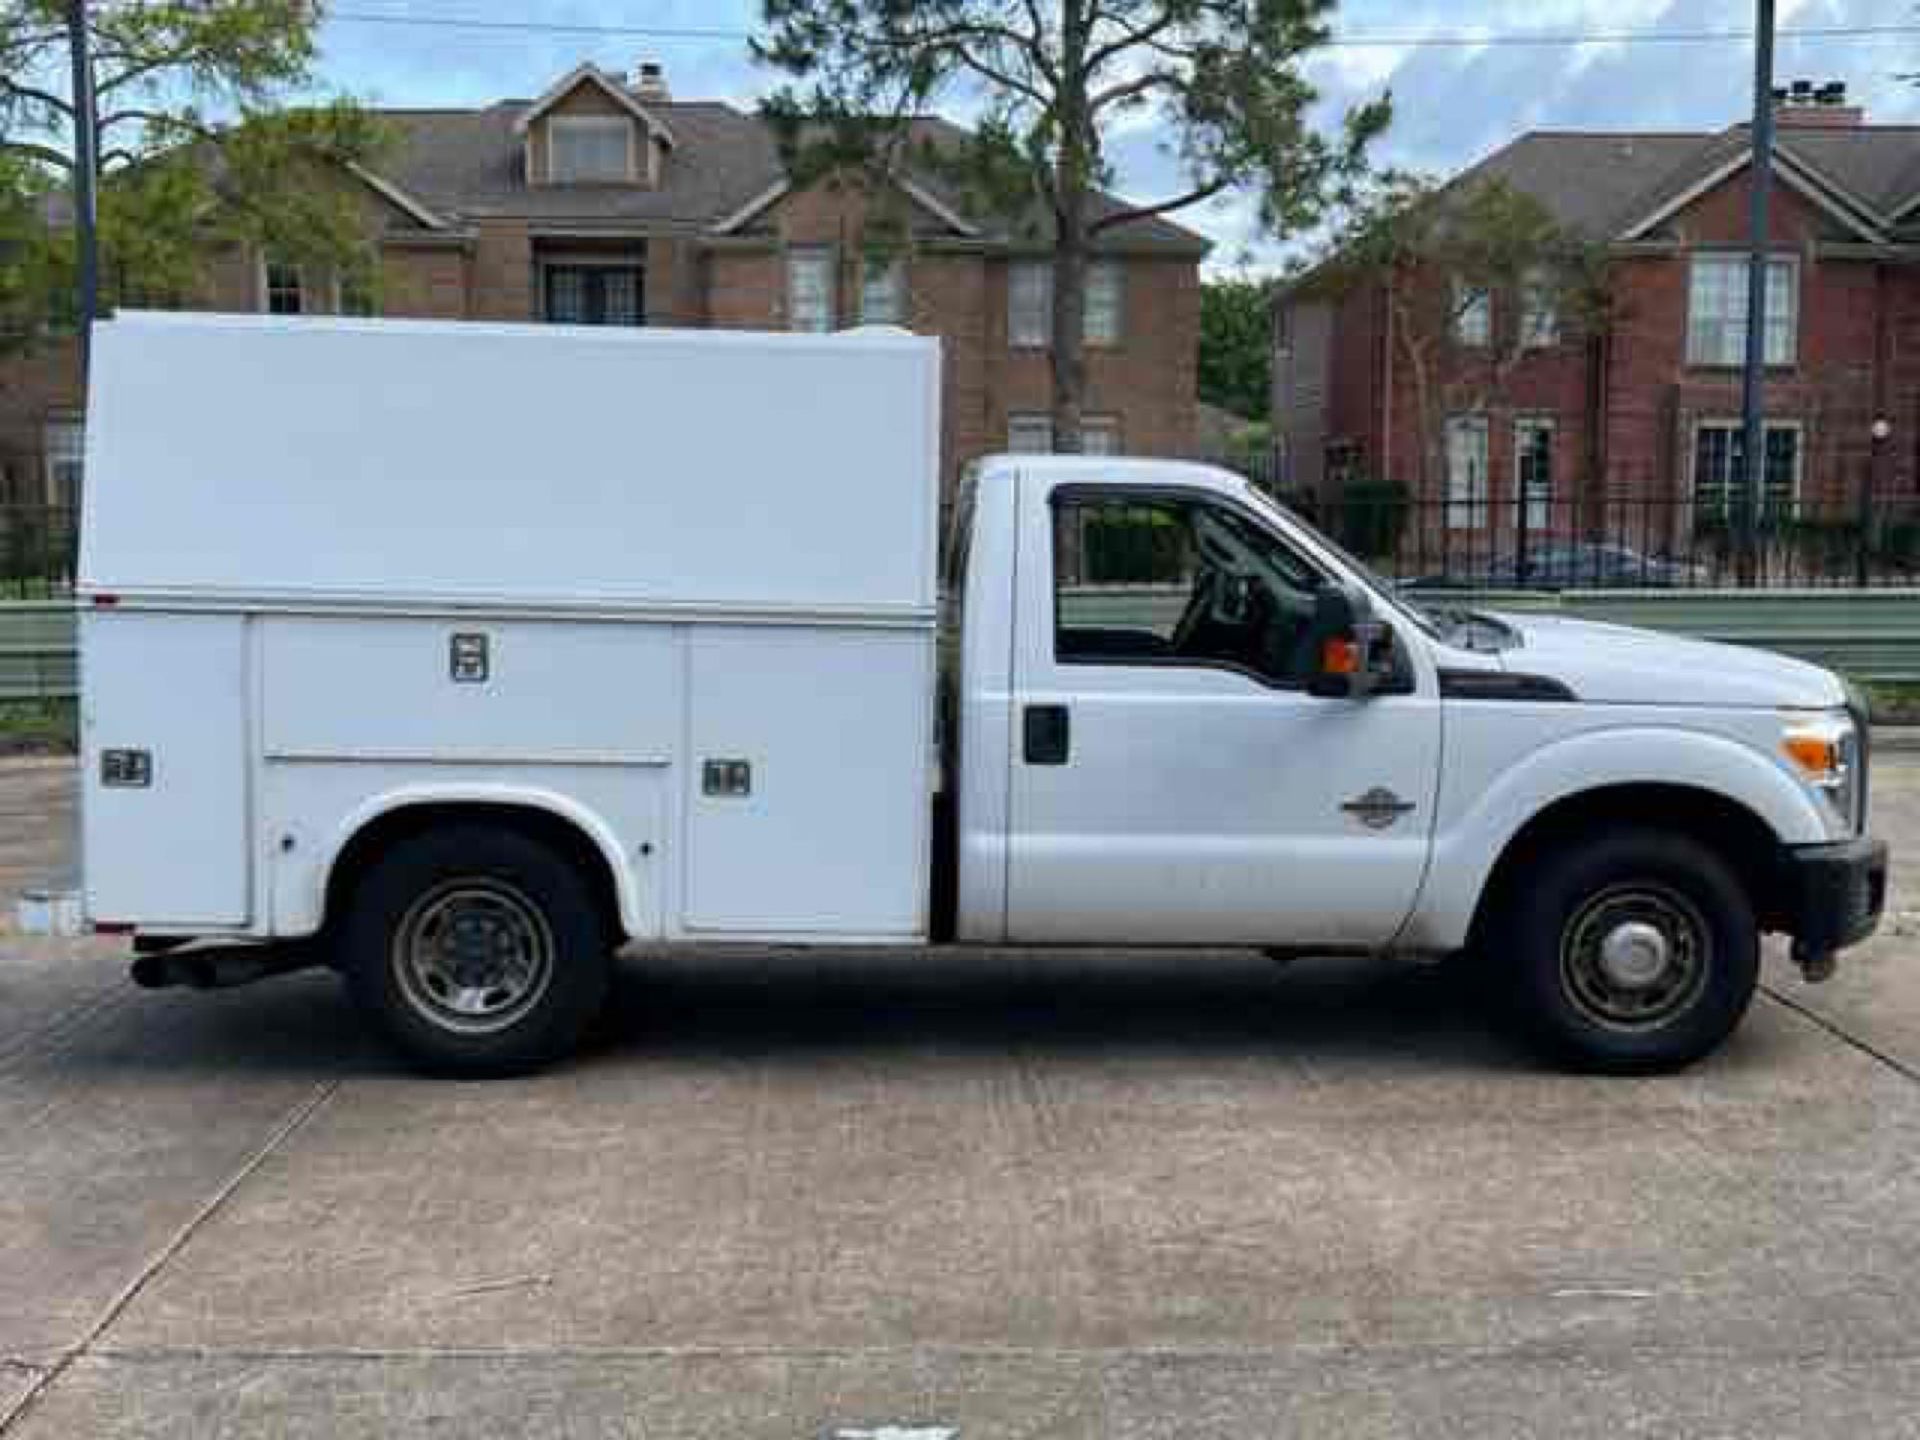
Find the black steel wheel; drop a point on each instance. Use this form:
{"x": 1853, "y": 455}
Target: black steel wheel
{"x": 477, "y": 950}
{"x": 1629, "y": 951}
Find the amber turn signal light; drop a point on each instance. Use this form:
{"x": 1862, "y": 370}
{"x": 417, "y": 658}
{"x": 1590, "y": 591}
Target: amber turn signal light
{"x": 1340, "y": 657}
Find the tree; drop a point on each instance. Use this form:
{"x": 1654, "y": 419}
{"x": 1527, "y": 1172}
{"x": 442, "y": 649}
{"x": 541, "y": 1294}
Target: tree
{"x": 194, "y": 146}
{"x": 1236, "y": 346}
{"x": 1052, "y": 77}
{"x": 1475, "y": 275}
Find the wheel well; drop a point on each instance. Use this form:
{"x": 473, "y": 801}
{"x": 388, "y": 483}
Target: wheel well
{"x": 557, "y": 833}
{"x": 1728, "y": 828}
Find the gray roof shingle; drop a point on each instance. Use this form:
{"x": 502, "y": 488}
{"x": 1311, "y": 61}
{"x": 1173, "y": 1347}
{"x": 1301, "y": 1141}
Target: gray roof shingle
{"x": 1592, "y": 182}
{"x": 468, "y": 165}
{"x": 1598, "y": 183}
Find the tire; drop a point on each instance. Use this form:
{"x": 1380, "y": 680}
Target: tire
{"x": 1634, "y": 951}
{"x": 477, "y": 951}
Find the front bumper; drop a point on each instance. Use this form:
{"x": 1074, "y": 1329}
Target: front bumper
{"x": 1837, "y": 893}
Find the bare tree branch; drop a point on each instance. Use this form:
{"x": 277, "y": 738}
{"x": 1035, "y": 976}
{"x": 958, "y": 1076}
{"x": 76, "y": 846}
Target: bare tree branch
{"x": 1130, "y": 36}
{"x": 960, "y": 41}
{"x": 29, "y": 40}
{"x": 149, "y": 117}
{"x": 1147, "y": 212}
{"x": 31, "y": 151}
{"x": 34, "y": 95}
{"x": 1152, "y": 80}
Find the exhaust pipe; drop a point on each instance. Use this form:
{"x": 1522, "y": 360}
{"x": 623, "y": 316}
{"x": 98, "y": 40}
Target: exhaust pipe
{"x": 220, "y": 967}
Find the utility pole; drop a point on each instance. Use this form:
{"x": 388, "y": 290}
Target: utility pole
{"x": 1753, "y": 442}
{"x": 86, "y": 160}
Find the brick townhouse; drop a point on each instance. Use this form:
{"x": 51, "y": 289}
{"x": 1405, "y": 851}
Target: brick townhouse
{"x": 1649, "y": 409}
{"x": 607, "y": 202}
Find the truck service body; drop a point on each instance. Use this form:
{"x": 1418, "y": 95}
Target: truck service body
{"x": 454, "y": 655}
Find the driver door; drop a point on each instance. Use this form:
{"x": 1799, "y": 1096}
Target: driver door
{"x": 1173, "y": 782}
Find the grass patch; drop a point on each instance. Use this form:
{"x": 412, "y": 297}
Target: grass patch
{"x": 1893, "y": 702}
{"x": 44, "y": 727}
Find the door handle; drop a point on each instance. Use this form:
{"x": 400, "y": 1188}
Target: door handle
{"x": 1045, "y": 735}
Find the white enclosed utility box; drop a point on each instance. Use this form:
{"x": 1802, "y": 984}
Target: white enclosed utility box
{"x": 675, "y": 587}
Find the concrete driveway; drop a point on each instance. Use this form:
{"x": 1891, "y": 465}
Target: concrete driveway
{"x": 1184, "y": 1195}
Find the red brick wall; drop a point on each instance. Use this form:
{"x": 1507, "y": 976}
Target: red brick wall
{"x": 1354, "y": 378}
{"x": 1655, "y": 395}
{"x": 1857, "y": 355}
{"x": 424, "y": 284}
{"x": 1148, "y": 381}
{"x": 43, "y": 384}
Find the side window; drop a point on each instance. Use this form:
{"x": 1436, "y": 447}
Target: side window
{"x": 1158, "y": 580}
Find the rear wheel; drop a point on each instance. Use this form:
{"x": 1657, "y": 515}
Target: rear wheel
{"x": 1633, "y": 951}
{"x": 477, "y": 950}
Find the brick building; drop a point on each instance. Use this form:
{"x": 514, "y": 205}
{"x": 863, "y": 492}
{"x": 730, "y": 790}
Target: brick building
{"x": 1646, "y": 415}
{"x": 606, "y": 201}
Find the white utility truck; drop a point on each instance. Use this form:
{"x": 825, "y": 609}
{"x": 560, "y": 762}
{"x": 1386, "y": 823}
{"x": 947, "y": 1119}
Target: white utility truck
{"x": 454, "y": 655}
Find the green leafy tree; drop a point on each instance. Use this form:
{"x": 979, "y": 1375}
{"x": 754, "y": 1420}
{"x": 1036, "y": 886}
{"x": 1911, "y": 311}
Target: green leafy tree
{"x": 1222, "y": 79}
{"x": 196, "y": 147}
{"x": 1236, "y": 346}
{"x": 1476, "y": 276}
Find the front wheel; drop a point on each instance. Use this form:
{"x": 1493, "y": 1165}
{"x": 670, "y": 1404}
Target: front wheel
{"x": 477, "y": 950}
{"x": 1636, "y": 951}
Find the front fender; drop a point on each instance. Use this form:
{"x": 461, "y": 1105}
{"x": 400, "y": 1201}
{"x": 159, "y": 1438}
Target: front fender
{"x": 1475, "y": 829}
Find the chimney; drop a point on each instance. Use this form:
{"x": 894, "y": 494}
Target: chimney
{"x": 650, "y": 81}
{"x": 1804, "y": 103}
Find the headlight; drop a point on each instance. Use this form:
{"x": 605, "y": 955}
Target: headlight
{"x": 1826, "y": 753}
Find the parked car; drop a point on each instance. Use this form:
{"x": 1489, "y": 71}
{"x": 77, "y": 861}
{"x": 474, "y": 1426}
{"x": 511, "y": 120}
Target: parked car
{"x": 452, "y": 656}
{"x": 1582, "y": 565}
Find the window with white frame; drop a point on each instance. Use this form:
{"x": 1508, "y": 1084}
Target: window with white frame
{"x": 1466, "y": 507}
{"x": 63, "y": 448}
{"x": 810, "y": 289}
{"x": 883, "y": 291}
{"x": 1029, "y": 304}
{"x": 1030, "y": 434}
{"x": 589, "y": 149}
{"x": 1719, "y": 468}
{"x": 1103, "y": 320}
{"x": 1539, "y": 310}
{"x": 1472, "y": 314}
{"x": 283, "y": 288}
{"x": 1099, "y": 435}
{"x": 1717, "y": 310}
{"x": 1533, "y": 470}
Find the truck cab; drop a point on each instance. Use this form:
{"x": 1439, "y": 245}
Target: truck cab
{"x": 1166, "y": 735}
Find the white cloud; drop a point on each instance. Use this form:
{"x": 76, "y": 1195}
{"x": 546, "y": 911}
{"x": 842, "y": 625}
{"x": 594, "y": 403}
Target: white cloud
{"x": 1451, "y": 104}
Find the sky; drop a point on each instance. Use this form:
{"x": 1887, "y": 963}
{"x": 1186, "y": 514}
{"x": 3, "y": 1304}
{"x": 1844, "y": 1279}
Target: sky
{"x": 1452, "y": 104}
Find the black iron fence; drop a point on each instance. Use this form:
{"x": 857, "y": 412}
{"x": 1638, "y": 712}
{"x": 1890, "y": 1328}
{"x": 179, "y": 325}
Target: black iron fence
{"x": 39, "y": 546}
{"x": 1620, "y": 541}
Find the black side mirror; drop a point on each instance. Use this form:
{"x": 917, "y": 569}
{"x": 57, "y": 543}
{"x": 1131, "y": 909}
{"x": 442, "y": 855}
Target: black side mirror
{"x": 1344, "y": 637}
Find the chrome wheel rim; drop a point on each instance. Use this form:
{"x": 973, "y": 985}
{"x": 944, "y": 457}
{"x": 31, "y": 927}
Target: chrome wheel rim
{"x": 1635, "y": 956}
{"x": 473, "y": 955}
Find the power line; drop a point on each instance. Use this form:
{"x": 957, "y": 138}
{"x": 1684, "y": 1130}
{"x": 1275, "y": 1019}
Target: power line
{"x": 537, "y": 27}
{"x": 1350, "y": 41}
{"x": 1626, "y": 37}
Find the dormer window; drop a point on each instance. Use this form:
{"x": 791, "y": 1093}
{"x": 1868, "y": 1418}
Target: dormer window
{"x": 589, "y": 149}
{"x": 590, "y": 130}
